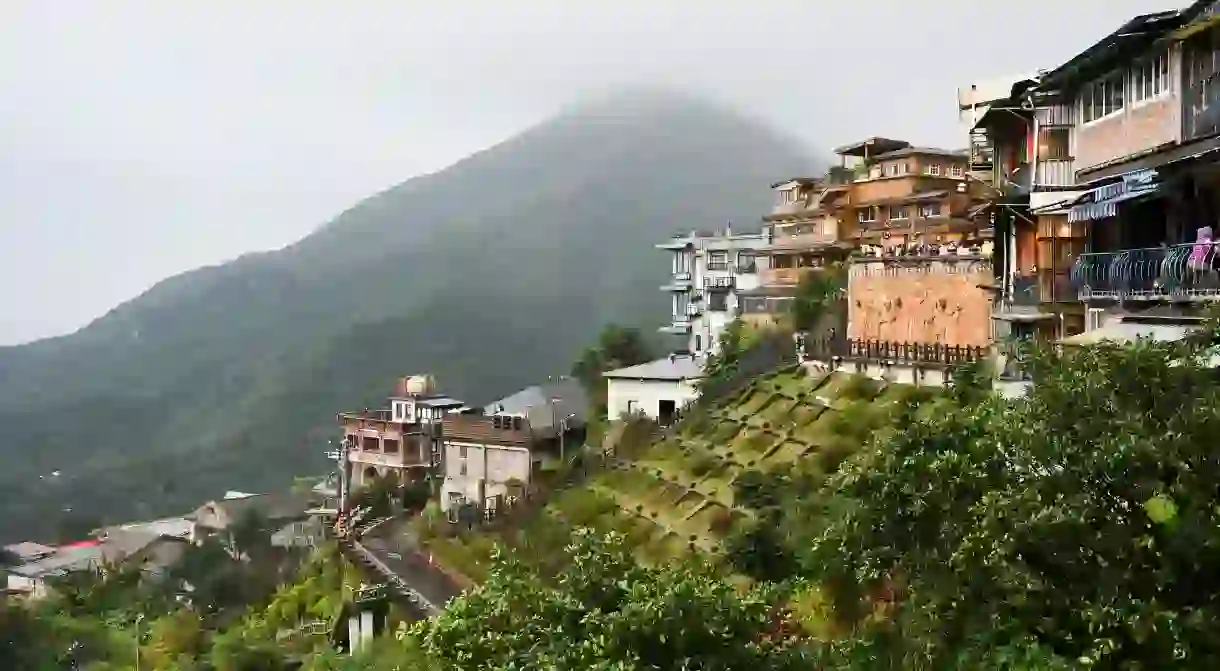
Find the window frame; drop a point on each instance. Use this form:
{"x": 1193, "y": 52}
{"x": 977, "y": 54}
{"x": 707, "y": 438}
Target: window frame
{"x": 872, "y": 212}
{"x": 933, "y": 169}
{"x": 895, "y": 210}
{"x": 1097, "y": 98}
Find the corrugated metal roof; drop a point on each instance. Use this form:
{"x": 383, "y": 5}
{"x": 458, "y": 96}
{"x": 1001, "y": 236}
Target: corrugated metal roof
{"x": 1128, "y": 332}
{"x": 28, "y": 551}
{"x": 542, "y": 403}
{"x": 668, "y": 368}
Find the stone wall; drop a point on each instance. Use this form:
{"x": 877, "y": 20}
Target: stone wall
{"x": 920, "y": 299}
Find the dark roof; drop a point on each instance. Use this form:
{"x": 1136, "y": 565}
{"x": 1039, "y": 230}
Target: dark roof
{"x": 273, "y": 507}
{"x": 803, "y": 181}
{"x": 535, "y": 402}
{"x": 924, "y": 151}
{"x": 1129, "y": 41}
{"x": 877, "y": 144}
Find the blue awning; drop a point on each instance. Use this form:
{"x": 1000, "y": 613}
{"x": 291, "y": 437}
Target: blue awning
{"x": 1102, "y": 202}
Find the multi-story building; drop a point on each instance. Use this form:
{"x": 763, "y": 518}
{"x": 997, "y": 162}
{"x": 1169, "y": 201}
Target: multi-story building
{"x": 903, "y": 196}
{"x": 803, "y": 233}
{"x": 1105, "y": 167}
{"x": 400, "y": 442}
{"x": 496, "y": 453}
{"x": 709, "y": 272}
{"x": 1022, "y": 158}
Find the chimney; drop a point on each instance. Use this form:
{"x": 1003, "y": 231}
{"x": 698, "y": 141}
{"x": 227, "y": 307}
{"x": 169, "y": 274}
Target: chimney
{"x": 672, "y": 357}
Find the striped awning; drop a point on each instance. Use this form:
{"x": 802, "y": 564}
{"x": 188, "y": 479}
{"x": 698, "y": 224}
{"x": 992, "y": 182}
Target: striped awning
{"x": 1102, "y": 202}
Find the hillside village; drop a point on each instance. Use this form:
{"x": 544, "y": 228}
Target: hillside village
{"x": 1072, "y": 217}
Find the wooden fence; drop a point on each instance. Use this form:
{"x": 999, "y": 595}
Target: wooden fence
{"x": 939, "y": 354}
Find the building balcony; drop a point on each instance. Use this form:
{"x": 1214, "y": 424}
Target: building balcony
{"x": 678, "y": 242}
{"x": 719, "y": 283}
{"x": 411, "y": 457}
{"x": 783, "y": 276}
{"x": 800, "y": 242}
{"x": 1054, "y": 172}
{"x": 790, "y": 208}
{"x": 678, "y": 284}
{"x": 1176, "y": 273}
{"x": 679, "y": 326}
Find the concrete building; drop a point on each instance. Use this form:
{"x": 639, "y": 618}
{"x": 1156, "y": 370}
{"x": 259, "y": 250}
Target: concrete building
{"x": 1103, "y": 170}
{"x": 496, "y": 453}
{"x": 400, "y": 442}
{"x": 710, "y": 271}
{"x": 658, "y": 389}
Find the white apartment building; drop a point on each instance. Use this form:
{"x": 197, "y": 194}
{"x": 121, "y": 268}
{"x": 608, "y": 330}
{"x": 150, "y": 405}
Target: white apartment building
{"x": 709, "y": 269}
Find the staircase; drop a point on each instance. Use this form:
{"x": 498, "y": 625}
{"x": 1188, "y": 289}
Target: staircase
{"x": 407, "y": 595}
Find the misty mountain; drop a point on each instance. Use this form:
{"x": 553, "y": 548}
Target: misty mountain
{"x": 491, "y": 274}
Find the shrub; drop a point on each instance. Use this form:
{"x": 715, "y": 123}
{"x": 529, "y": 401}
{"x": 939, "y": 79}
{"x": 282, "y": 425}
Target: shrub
{"x": 703, "y": 464}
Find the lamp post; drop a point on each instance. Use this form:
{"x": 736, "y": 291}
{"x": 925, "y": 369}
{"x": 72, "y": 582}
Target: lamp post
{"x": 139, "y": 619}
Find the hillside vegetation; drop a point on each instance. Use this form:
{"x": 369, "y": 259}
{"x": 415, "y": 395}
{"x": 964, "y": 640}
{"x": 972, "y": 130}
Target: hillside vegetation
{"x": 680, "y": 494}
{"x": 490, "y": 274}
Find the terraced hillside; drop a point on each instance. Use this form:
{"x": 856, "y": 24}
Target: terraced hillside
{"x": 674, "y": 496}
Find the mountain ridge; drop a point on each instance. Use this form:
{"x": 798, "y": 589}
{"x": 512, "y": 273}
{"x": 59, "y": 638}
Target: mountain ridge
{"x": 490, "y": 273}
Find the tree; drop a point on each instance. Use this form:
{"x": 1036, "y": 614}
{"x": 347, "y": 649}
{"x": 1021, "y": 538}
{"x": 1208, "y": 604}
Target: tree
{"x": 816, "y": 295}
{"x": 604, "y": 611}
{"x": 616, "y": 347}
{"x": 1079, "y": 524}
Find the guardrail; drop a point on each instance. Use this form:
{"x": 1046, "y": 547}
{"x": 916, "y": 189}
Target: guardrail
{"x": 366, "y": 556}
{"x": 939, "y": 354}
{"x": 1176, "y": 272}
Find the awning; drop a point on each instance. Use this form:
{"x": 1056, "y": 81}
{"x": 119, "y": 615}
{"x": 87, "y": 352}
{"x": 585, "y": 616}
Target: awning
{"x": 1128, "y": 332}
{"x": 1102, "y": 202}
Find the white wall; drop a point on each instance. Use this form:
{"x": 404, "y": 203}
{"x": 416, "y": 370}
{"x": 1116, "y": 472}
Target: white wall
{"x": 490, "y": 465}
{"x": 898, "y": 373}
{"x": 646, "y": 394}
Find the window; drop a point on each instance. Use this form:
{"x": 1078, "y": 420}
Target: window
{"x": 718, "y": 260}
{"x": 892, "y": 170}
{"x": 956, "y": 171}
{"x": 1103, "y": 97}
{"x": 463, "y": 469}
{"x": 745, "y": 262}
{"x": 929, "y": 210}
{"x": 717, "y": 301}
{"x": 698, "y": 348}
{"x": 462, "y": 451}
{"x": 899, "y": 212}
{"x": 868, "y": 214}
{"x": 1150, "y": 78}
{"x": 1053, "y": 143}
{"x": 932, "y": 169}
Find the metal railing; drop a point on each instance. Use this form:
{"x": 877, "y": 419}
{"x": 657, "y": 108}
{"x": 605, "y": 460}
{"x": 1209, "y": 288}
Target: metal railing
{"x": 1178, "y": 272}
{"x": 892, "y": 352}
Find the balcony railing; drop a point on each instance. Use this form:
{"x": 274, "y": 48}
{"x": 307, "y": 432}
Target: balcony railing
{"x": 887, "y": 351}
{"x": 1055, "y": 172}
{"x": 718, "y": 283}
{"x": 1180, "y": 272}
{"x": 717, "y": 265}
{"x": 800, "y": 241}
{"x": 783, "y": 276}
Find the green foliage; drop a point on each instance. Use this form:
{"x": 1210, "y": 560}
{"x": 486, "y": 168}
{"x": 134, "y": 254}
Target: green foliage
{"x": 816, "y": 295}
{"x": 1077, "y": 526}
{"x": 606, "y": 612}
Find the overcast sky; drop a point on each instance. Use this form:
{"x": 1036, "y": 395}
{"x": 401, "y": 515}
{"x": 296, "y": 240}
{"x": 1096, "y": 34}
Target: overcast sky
{"x": 140, "y": 139}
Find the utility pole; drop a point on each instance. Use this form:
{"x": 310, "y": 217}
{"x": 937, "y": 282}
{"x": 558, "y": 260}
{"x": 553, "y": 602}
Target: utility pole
{"x": 139, "y": 619}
